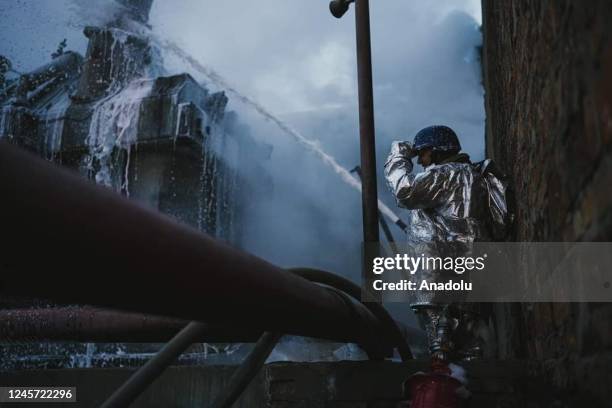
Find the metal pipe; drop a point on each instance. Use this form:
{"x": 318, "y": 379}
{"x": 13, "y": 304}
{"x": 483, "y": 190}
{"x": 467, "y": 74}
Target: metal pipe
{"x": 367, "y": 138}
{"x": 381, "y": 218}
{"x": 244, "y": 374}
{"x": 242, "y": 377}
{"x": 83, "y": 324}
{"x": 95, "y": 325}
{"x": 141, "y": 379}
{"x": 73, "y": 242}
{"x": 390, "y": 328}
{"x": 239, "y": 381}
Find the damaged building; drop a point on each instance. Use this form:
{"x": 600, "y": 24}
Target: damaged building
{"x": 111, "y": 115}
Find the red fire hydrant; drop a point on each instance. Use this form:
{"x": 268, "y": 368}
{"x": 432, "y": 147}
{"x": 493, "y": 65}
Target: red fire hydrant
{"x": 438, "y": 389}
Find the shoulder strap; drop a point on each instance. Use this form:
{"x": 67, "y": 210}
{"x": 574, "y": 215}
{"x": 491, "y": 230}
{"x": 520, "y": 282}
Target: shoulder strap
{"x": 500, "y": 198}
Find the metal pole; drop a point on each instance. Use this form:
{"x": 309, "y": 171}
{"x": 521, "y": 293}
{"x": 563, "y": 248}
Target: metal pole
{"x": 367, "y": 139}
{"x": 381, "y": 218}
{"x": 141, "y": 379}
{"x": 244, "y": 374}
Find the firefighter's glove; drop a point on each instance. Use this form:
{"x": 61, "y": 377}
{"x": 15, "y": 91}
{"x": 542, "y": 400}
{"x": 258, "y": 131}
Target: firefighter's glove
{"x": 404, "y": 149}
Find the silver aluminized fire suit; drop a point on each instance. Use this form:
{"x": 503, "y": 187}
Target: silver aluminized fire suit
{"x": 452, "y": 204}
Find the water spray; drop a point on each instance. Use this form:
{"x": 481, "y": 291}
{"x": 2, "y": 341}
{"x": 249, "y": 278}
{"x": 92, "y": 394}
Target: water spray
{"x": 310, "y": 145}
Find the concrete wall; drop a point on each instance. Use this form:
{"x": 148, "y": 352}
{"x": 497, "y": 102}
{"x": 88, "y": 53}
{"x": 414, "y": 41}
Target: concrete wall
{"x": 548, "y": 77}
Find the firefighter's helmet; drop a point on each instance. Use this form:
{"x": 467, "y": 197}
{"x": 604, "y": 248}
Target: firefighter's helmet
{"x": 438, "y": 138}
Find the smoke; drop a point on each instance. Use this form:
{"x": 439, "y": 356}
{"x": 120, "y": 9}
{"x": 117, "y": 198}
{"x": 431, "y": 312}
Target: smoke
{"x": 308, "y": 144}
{"x": 297, "y": 61}
{"x": 83, "y": 14}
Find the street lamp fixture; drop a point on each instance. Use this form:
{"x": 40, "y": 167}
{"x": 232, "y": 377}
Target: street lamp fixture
{"x": 339, "y": 7}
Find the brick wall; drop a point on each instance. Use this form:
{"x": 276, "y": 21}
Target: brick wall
{"x": 547, "y": 69}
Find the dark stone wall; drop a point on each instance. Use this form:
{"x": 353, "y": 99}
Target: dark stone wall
{"x": 547, "y": 69}
{"x": 548, "y": 79}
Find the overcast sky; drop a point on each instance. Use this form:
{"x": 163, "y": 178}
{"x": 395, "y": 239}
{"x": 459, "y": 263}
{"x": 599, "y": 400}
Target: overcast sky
{"x": 298, "y": 61}
{"x": 294, "y": 57}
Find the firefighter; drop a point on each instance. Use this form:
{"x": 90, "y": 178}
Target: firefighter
{"x": 452, "y": 203}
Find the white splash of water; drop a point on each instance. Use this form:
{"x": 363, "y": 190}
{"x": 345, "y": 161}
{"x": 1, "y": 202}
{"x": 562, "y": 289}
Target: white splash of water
{"x": 312, "y": 146}
{"x": 53, "y": 134}
{"x": 83, "y": 360}
{"x": 54, "y": 125}
{"x": 3, "y": 121}
{"x": 114, "y": 123}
